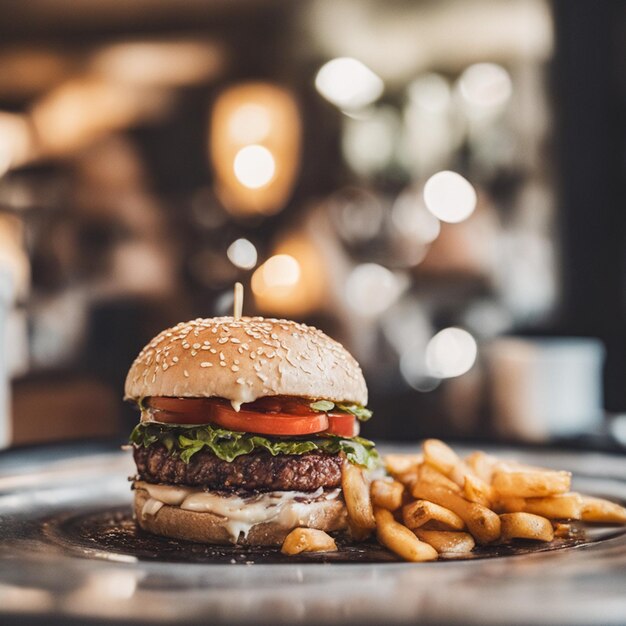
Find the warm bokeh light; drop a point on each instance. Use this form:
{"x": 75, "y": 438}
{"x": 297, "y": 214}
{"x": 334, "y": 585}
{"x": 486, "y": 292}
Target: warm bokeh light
{"x": 255, "y": 147}
{"x": 371, "y": 289}
{"x": 242, "y": 253}
{"x": 451, "y": 352}
{"x": 81, "y": 111}
{"x": 485, "y": 86}
{"x": 293, "y": 282}
{"x": 13, "y": 256}
{"x": 16, "y": 141}
{"x": 250, "y": 123}
{"x": 449, "y": 197}
{"x": 163, "y": 63}
{"x": 348, "y": 83}
{"x": 254, "y": 166}
{"x": 281, "y": 270}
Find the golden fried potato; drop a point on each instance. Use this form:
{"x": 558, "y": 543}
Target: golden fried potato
{"x": 525, "y": 526}
{"x": 308, "y": 540}
{"x": 400, "y": 539}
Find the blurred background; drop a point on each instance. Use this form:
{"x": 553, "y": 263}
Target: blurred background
{"x": 437, "y": 184}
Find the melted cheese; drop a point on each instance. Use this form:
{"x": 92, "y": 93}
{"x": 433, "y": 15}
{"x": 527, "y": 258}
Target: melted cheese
{"x": 285, "y": 508}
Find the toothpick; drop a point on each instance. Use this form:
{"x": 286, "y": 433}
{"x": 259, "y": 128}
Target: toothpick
{"x": 238, "y": 301}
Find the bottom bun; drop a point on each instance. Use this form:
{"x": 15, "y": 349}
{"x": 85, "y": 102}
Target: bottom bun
{"x": 204, "y": 527}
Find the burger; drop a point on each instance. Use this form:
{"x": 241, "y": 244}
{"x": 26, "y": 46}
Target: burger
{"x": 246, "y": 424}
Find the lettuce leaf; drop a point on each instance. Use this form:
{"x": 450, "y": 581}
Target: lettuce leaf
{"x": 360, "y": 412}
{"x": 185, "y": 440}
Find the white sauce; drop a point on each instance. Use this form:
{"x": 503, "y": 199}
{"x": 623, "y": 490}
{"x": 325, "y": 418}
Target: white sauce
{"x": 151, "y": 508}
{"x": 241, "y": 514}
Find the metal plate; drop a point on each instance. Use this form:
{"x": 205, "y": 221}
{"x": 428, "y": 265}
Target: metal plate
{"x": 69, "y": 550}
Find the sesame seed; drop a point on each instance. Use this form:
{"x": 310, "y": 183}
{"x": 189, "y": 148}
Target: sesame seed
{"x": 222, "y": 340}
{"x": 222, "y": 358}
{"x": 196, "y": 346}
{"x": 165, "y": 366}
{"x": 222, "y": 363}
{"x": 235, "y": 368}
{"x": 213, "y": 351}
{"x": 175, "y": 359}
{"x": 186, "y": 373}
{"x": 234, "y": 340}
{"x": 206, "y": 364}
{"x": 194, "y": 352}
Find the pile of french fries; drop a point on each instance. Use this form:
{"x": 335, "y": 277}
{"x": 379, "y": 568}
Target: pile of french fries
{"x": 439, "y": 503}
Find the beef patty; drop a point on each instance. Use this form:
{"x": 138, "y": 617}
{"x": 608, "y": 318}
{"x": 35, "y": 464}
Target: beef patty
{"x": 258, "y": 471}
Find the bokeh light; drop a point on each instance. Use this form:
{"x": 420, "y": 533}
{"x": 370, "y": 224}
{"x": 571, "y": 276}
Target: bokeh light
{"x": 369, "y": 144}
{"x": 250, "y": 123}
{"x": 450, "y": 353}
{"x": 159, "y": 62}
{"x": 449, "y": 197}
{"x": 242, "y": 253}
{"x": 371, "y": 289}
{"x": 430, "y": 92}
{"x": 16, "y": 142}
{"x": 280, "y": 270}
{"x": 254, "y": 166}
{"x": 348, "y": 83}
{"x": 411, "y": 219}
{"x": 485, "y": 86}
{"x": 357, "y": 213}
{"x": 254, "y": 144}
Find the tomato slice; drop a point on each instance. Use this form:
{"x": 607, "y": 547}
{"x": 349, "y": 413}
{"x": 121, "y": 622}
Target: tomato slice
{"x": 343, "y": 425}
{"x": 274, "y": 415}
{"x": 270, "y": 423}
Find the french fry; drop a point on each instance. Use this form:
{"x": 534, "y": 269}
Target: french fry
{"x": 454, "y": 494}
{"x": 482, "y": 465}
{"x": 421, "y": 512}
{"x": 530, "y": 484}
{"x": 562, "y": 506}
{"x": 428, "y": 474}
{"x": 440, "y": 455}
{"x": 477, "y": 490}
{"x": 400, "y": 539}
{"x": 397, "y": 464}
{"x": 357, "y": 533}
{"x": 525, "y": 526}
{"x": 387, "y": 494}
{"x": 444, "y": 459}
{"x": 562, "y": 530}
{"x": 481, "y": 522}
{"x": 445, "y": 541}
{"x": 356, "y": 493}
{"x": 408, "y": 478}
{"x": 307, "y": 540}
{"x": 600, "y": 510}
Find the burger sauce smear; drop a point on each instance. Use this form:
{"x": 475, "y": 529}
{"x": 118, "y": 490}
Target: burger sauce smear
{"x": 272, "y": 415}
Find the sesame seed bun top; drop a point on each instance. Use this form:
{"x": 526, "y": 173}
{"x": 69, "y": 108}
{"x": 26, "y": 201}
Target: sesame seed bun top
{"x": 245, "y": 359}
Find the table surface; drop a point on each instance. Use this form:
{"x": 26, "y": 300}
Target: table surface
{"x": 68, "y": 553}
